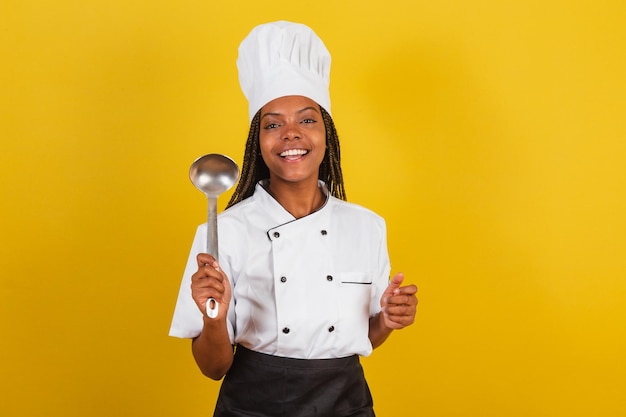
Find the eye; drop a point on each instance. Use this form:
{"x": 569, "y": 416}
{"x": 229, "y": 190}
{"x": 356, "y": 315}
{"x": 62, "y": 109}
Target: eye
{"x": 306, "y": 121}
{"x": 270, "y": 126}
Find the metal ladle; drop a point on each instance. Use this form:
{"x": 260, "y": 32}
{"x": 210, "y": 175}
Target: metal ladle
{"x": 213, "y": 174}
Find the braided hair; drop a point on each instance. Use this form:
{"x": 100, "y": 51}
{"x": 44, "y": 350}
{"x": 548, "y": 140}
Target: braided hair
{"x": 254, "y": 168}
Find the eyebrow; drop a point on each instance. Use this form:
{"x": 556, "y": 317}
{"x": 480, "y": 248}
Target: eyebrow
{"x": 299, "y": 111}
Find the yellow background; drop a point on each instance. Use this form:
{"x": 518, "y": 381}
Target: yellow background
{"x": 490, "y": 134}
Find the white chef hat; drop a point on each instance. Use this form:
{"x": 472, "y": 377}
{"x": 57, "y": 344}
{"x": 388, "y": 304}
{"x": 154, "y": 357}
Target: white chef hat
{"x": 283, "y": 59}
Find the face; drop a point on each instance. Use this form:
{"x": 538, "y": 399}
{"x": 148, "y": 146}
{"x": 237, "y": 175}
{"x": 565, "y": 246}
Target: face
{"x": 292, "y": 139}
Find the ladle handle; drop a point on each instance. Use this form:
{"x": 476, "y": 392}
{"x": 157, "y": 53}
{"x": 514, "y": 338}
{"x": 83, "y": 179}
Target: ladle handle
{"x": 212, "y": 306}
{"x": 211, "y": 243}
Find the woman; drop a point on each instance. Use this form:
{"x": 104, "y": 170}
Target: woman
{"x": 303, "y": 276}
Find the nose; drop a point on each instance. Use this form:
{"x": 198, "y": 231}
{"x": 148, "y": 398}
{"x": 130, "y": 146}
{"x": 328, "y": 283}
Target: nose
{"x": 291, "y": 132}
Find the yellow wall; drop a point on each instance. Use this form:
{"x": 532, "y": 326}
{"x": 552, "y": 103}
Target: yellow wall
{"x": 491, "y": 134}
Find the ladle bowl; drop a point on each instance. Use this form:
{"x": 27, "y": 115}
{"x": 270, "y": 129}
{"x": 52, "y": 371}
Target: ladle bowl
{"x": 213, "y": 174}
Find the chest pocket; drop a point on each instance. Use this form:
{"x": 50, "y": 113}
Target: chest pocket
{"x": 355, "y": 278}
{"x": 355, "y": 297}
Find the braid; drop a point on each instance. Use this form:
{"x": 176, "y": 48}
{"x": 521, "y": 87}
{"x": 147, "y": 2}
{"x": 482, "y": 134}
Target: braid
{"x": 254, "y": 168}
{"x": 330, "y": 169}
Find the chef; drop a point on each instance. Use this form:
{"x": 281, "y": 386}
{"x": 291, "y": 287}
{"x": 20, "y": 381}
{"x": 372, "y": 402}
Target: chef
{"x": 302, "y": 279}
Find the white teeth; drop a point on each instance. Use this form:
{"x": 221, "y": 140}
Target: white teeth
{"x": 294, "y": 152}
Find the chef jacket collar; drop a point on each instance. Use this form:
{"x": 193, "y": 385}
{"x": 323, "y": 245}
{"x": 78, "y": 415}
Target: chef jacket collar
{"x": 282, "y": 218}
{"x": 285, "y": 216}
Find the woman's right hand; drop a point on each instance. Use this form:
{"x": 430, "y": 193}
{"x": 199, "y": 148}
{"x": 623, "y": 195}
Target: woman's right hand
{"x": 209, "y": 281}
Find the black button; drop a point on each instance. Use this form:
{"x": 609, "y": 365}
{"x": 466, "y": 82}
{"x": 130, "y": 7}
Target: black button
{"x": 286, "y": 330}
{"x": 276, "y": 234}
{"x": 283, "y": 279}
{"x": 324, "y": 232}
{"x": 329, "y": 277}
{"x": 331, "y": 329}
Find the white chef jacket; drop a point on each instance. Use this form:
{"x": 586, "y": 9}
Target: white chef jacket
{"x": 302, "y": 288}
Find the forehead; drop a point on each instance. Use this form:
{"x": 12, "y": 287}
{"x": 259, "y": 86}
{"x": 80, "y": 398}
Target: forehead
{"x": 289, "y": 104}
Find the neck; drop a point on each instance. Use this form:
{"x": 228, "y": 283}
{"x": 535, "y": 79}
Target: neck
{"x": 299, "y": 199}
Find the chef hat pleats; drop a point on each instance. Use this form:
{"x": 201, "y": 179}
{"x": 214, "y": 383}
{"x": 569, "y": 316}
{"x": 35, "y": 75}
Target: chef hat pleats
{"x": 283, "y": 59}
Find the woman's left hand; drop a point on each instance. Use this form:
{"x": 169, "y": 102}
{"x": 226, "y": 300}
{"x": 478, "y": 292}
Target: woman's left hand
{"x": 399, "y": 304}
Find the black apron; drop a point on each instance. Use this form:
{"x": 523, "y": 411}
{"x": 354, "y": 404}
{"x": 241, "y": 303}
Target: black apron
{"x": 261, "y": 385}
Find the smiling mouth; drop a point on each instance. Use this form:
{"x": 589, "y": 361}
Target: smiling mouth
{"x": 293, "y": 153}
